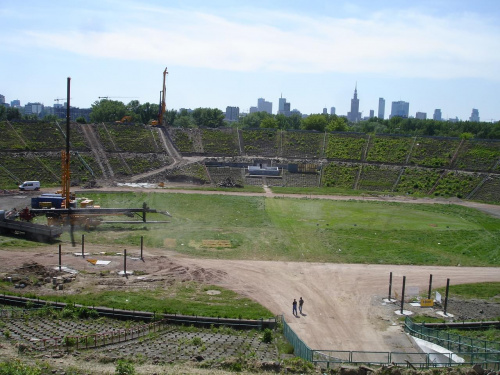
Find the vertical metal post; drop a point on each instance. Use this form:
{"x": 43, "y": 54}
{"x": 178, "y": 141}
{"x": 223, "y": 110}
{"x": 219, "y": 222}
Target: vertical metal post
{"x": 403, "y": 294}
{"x": 83, "y": 245}
{"x": 142, "y": 245}
{"x": 390, "y": 285}
{"x": 125, "y": 262}
{"x": 59, "y": 257}
{"x": 446, "y": 298}
{"x": 430, "y": 287}
{"x": 66, "y": 161}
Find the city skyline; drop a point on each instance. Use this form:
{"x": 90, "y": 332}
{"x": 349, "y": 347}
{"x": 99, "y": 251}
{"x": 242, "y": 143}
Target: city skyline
{"x": 221, "y": 54}
{"x": 232, "y": 113}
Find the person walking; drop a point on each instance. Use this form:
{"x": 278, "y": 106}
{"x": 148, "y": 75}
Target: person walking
{"x": 301, "y": 302}
{"x": 294, "y": 307}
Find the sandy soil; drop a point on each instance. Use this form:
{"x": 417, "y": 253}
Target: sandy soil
{"x": 343, "y": 308}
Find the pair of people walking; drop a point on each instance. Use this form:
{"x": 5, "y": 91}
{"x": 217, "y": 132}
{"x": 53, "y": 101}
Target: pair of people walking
{"x": 294, "y": 306}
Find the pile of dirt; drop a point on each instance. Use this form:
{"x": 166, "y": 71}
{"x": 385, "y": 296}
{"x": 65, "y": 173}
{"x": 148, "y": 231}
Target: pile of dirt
{"x": 32, "y": 274}
{"x": 473, "y": 309}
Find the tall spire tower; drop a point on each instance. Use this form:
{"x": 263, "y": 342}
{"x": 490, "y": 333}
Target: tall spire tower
{"x": 354, "y": 115}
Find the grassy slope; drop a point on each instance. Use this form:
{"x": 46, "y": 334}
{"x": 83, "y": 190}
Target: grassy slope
{"x": 310, "y": 230}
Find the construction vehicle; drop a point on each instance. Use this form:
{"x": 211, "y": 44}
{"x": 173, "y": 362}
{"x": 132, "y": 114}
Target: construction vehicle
{"x": 162, "y": 106}
{"x": 124, "y": 120}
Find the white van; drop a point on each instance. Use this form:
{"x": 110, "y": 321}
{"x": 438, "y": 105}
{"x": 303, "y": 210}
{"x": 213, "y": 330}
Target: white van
{"x": 30, "y": 185}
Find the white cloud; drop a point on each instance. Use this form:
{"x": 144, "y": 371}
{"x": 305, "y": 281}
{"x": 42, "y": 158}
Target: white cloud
{"x": 406, "y": 44}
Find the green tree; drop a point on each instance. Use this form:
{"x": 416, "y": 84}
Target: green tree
{"x": 253, "y": 120}
{"x": 270, "y": 123}
{"x": 294, "y": 121}
{"x": 147, "y": 112}
{"x": 337, "y": 124}
{"x": 170, "y": 116}
{"x": 107, "y": 110}
{"x": 184, "y": 120}
{"x": 314, "y": 122}
{"x": 13, "y": 114}
{"x": 208, "y": 117}
{"x": 133, "y": 107}
{"x": 81, "y": 120}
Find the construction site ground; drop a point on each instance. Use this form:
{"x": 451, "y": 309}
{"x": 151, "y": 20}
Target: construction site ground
{"x": 344, "y": 305}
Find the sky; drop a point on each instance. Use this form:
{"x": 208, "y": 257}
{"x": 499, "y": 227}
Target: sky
{"x": 431, "y": 53}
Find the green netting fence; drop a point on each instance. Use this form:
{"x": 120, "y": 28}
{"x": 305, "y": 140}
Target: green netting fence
{"x": 462, "y": 351}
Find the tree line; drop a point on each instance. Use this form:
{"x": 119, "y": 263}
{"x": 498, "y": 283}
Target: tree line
{"x": 106, "y": 110}
{"x": 110, "y": 110}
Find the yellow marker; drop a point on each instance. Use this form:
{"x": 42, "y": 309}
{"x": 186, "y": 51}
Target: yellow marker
{"x": 425, "y": 302}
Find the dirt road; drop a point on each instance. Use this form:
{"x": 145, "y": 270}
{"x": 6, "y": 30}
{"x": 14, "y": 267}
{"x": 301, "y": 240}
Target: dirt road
{"x": 343, "y": 302}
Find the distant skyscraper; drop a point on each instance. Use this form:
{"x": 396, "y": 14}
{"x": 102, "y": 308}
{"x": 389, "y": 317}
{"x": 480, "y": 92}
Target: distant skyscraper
{"x": 354, "y": 115}
{"x": 287, "y": 109}
{"x": 332, "y": 110}
{"x": 381, "y": 108}
{"x": 254, "y": 109}
{"x": 325, "y": 111}
{"x": 232, "y": 114}
{"x": 437, "y": 115}
{"x": 372, "y": 113}
{"x": 474, "y": 117}
{"x": 284, "y": 107}
{"x": 421, "y": 115}
{"x": 264, "y": 106}
{"x": 2, "y": 99}
{"x": 400, "y": 109}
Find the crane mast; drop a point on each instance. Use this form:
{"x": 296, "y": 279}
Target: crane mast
{"x": 163, "y": 104}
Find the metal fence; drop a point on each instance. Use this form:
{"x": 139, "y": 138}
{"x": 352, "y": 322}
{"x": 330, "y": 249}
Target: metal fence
{"x": 477, "y": 349}
{"x": 489, "y": 358}
{"x": 300, "y": 349}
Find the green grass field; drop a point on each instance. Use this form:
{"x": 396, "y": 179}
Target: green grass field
{"x": 310, "y": 230}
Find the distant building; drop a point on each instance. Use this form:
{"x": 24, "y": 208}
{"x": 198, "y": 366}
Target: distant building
{"x": 381, "y": 108}
{"x": 325, "y": 111}
{"x": 372, "y": 113}
{"x": 354, "y": 115}
{"x": 332, "y": 110}
{"x": 254, "y": 109}
{"x": 437, "y": 115}
{"x": 287, "y": 109}
{"x": 474, "y": 117}
{"x": 264, "y": 106}
{"x": 74, "y": 112}
{"x": 33, "y": 108}
{"x": 296, "y": 112}
{"x": 284, "y": 107}
{"x": 2, "y": 99}
{"x": 400, "y": 109}
{"x": 421, "y": 115}
{"x": 232, "y": 114}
